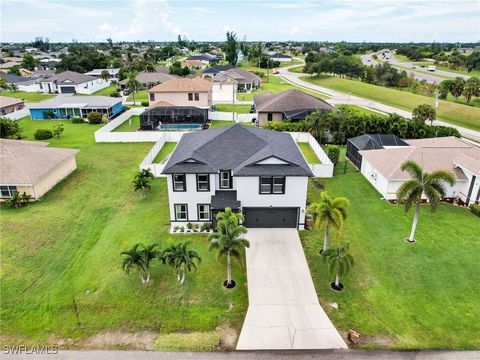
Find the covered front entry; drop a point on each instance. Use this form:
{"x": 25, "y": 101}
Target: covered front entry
{"x": 270, "y": 217}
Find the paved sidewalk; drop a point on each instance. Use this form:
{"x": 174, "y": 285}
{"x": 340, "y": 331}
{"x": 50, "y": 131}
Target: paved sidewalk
{"x": 283, "y": 311}
{"x": 252, "y": 355}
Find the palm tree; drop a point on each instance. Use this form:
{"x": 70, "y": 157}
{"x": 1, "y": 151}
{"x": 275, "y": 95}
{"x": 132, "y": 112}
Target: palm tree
{"x": 339, "y": 262}
{"x": 139, "y": 258}
{"x": 181, "y": 259}
{"x": 105, "y": 75}
{"x": 142, "y": 185}
{"x": 12, "y": 87}
{"x": 3, "y": 83}
{"x": 328, "y": 211}
{"x": 132, "y": 84}
{"x": 227, "y": 240}
{"x": 431, "y": 184}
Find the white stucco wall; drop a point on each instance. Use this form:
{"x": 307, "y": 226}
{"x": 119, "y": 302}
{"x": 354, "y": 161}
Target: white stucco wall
{"x": 88, "y": 87}
{"x": 223, "y": 92}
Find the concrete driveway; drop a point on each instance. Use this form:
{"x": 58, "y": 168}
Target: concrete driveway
{"x": 283, "y": 312}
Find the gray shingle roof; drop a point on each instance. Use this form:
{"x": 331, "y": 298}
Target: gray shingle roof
{"x": 224, "y": 199}
{"x": 288, "y": 101}
{"x": 15, "y": 79}
{"x": 218, "y": 68}
{"x": 238, "y": 148}
{"x": 73, "y": 78}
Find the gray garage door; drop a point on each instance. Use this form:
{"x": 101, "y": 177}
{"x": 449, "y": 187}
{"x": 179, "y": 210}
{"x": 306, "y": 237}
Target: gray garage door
{"x": 270, "y": 217}
{"x": 67, "y": 89}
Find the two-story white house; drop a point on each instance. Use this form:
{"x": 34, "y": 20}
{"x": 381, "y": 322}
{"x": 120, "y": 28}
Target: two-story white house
{"x": 258, "y": 172}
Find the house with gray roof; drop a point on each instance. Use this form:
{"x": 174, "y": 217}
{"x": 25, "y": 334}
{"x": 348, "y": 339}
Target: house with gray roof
{"x": 258, "y": 172}
{"x": 71, "y": 82}
{"x": 23, "y": 83}
{"x": 289, "y": 105}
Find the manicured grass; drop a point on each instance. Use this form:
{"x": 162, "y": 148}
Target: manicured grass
{"x": 140, "y": 96}
{"x": 296, "y": 69}
{"x": 401, "y": 296}
{"x": 166, "y": 149}
{"x": 308, "y": 152}
{"x": 220, "y": 123}
{"x": 107, "y": 91}
{"x": 127, "y": 127}
{"x": 457, "y": 114}
{"x": 361, "y": 111}
{"x": 27, "y": 96}
{"x": 238, "y": 108}
{"x": 275, "y": 85}
{"x": 67, "y": 247}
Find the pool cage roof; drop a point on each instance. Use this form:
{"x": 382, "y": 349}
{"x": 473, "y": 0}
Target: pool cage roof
{"x": 174, "y": 111}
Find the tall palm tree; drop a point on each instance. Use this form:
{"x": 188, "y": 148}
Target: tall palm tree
{"x": 139, "y": 258}
{"x": 339, "y": 262}
{"x": 181, "y": 259}
{"x": 431, "y": 184}
{"x": 132, "y": 83}
{"x": 227, "y": 240}
{"x": 330, "y": 212}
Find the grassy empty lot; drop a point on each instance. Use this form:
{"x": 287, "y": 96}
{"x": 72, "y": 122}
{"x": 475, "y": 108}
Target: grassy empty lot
{"x": 274, "y": 85}
{"x": 238, "y": 108}
{"x": 27, "y": 96}
{"x": 131, "y": 124}
{"x": 67, "y": 247}
{"x": 166, "y": 149}
{"x": 457, "y": 114}
{"x": 398, "y": 295}
{"x": 308, "y": 152}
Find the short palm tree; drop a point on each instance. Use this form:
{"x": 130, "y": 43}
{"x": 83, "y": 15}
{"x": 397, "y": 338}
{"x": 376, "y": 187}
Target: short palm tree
{"x": 139, "y": 258}
{"x": 339, "y": 262}
{"x": 105, "y": 75}
{"x": 227, "y": 240}
{"x": 142, "y": 185}
{"x": 329, "y": 212}
{"x": 431, "y": 184}
{"x": 181, "y": 259}
{"x": 132, "y": 84}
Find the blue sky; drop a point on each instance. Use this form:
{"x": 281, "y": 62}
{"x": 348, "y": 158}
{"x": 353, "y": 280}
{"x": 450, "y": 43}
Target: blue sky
{"x": 163, "y": 20}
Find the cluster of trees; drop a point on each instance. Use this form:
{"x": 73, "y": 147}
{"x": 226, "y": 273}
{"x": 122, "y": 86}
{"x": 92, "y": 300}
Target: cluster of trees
{"x": 177, "y": 69}
{"x": 82, "y": 58}
{"x": 458, "y": 86}
{"x": 341, "y": 124}
{"x": 334, "y": 63}
{"x": 386, "y": 75}
{"x": 9, "y": 128}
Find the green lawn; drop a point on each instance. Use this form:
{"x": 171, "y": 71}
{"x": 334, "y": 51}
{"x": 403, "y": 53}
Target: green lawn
{"x": 127, "y": 127}
{"x": 360, "y": 110}
{"x": 220, "y": 123}
{"x": 27, "y": 96}
{"x": 67, "y": 247}
{"x": 238, "y": 108}
{"x": 457, "y": 114}
{"x": 277, "y": 84}
{"x": 296, "y": 69}
{"x": 166, "y": 149}
{"x": 107, "y": 91}
{"x": 307, "y": 151}
{"x": 140, "y": 96}
{"x": 398, "y": 295}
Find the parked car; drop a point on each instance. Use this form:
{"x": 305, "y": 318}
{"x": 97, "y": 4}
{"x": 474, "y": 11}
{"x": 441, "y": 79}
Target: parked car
{"x": 431, "y": 68}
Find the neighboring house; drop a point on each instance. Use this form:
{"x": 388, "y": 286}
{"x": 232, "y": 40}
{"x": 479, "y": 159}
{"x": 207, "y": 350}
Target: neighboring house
{"x": 71, "y": 82}
{"x": 205, "y": 58}
{"x": 276, "y": 56}
{"x": 382, "y": 168}
{"x": 227, "y": 84}
{"x": 260, "y": 173}
{"x": 287, "y": 105}
{"x": 9, "y": 105}
{"x": 180, "y": 100}
{"x": 211, "y": 71}
{"x": 194, "y": 64}
{"x": 32, "y": 167}
{"x": 66, "y": 107}
{"x": 370, "y": 142}
{"x": 8, "y": 65}
{"x": 97, "y": 72}
{"x": 48, "y": 64}
{"x": 326, "y": 50}
{"x": 23, "y": 83}
{"x": 149, "y": 79}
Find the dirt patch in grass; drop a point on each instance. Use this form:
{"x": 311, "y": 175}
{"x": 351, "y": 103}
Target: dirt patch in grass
{"x": 118, "y": 340}
{"x": 228, "y": 338}
{"x": 376, "y": 341}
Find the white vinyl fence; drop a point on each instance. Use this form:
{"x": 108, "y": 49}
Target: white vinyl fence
{"x": 224, "y": 115}
{"x": 325, "y": 169}
{"x": 18, "y": 114}
{"x": 157, "y": 168}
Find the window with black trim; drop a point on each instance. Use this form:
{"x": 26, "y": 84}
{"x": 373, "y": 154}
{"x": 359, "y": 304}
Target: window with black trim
{"x": 181, "y": 212}
{"x": 225, "y": 180}
{"x": 197, "y": 96}
{"x": 152, "y": 97}
{"x": 8, "y": 191}
{"x": 203, "y": 182}
{"x": 269, "y": 116}
{"x": 190, "y": 96}
{"x": 179, "y": 182}
{"x": 272, "y": 185}
{"x": 203, "y": 212}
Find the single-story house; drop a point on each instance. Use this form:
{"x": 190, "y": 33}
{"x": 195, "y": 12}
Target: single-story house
{"x": 71, "y": 82}
{"x": 260, "y": 173}
{"x": 97, "y": 72}
{"x": 290, "y": 105}
{"x": 382, "y": 167}
{"x": 205, "y": 58}
{"x": 180, "y": 100}
{"x": 226, "y": 84}
{"x": 149, "y": 79}
{"x": 23, "y": 83}
{"x": 276, "y": 56}
{"x": 211, "y": 71}
{"x": 66, "y": 107}
{"x": 8, "y": 65}
{"x": 32, "y": 167}
{"x": 9, "y": 105}
{"x": 370, "y": 142}
{"x": 194, "y": 64}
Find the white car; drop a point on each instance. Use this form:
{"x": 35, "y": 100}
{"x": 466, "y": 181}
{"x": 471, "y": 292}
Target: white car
{"x": 431, "y": 68}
